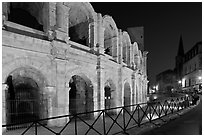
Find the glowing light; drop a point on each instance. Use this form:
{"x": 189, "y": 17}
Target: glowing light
{"x": 179, "y": 81}
{"x": 155, "y": 97}
{"x": 157, "y": 87}
{"x": 199, "y": 78}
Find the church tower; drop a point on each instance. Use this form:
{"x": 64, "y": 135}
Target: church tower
{"x": 179, "y": 60}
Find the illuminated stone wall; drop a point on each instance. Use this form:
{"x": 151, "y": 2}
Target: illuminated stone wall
{"x": 58, "y": 57}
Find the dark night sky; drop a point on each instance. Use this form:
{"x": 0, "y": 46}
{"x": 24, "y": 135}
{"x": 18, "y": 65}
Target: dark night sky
{"x": 163, "y": 24}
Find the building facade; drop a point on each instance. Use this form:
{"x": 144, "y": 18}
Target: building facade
{"x": 64, "y": 58}
{"x": 192, "y": 69}
{"x": 166, "y": 81}
{"x": 187, "y": 74}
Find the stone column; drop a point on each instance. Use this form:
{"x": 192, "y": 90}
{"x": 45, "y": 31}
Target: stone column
{"x": 131, "y": 56}
{"x": 120, "y": 86}
{"x": 120, "y": 47}
{"x": 67, "y": 89}
{"x": 51, "y": 92}
{"x": 62, "y": 21}
{"x": 51, "y": 19}
{"x": 145, "y": 62}
{"x": 128, "y": 54}
{"x": 61, "y": 91}
{"x": 139, "y": 90}
{"x": 5, "y": 9}
{"x": 4, "y": 90}
{"x": 92, "y": 36}
{"x": 133, "y": 90}
{"x": 51, "y": 13}
{"x": 100, "y": 33}
{"x": 136, "y": 89}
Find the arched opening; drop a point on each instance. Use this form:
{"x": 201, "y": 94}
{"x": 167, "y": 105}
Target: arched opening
{"x": 124, "y": 52}
{"x": 110, "y": 36}
{"x": 80, "y": 17}
{"x": 81, "y": 96}
{"x": 127, "y": 95}
{"x": 108, "y": 42}
{"x": 26, "y": 14}
{"x": 109, "y": 96}
{"x": 24, "y": 102}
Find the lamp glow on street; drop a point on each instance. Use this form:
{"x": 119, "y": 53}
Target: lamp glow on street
{"x": 200, "y": 78}
{"x": 179, "y": 81}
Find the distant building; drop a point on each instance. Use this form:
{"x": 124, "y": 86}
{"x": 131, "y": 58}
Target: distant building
{"x": 187, "y": 74}
{"x": 166, "y": 81}
{"x": 179, "y": 60}
{"x": 192, "y": 68}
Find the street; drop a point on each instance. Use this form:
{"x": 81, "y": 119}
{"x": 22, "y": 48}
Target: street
{"x": 188, "y": 124}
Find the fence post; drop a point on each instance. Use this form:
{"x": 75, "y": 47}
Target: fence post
{"x": 104, "y": 124}
{"x": 150, "y": 114}
{"x": 172, "y": 106}
{"x": 138, "y": 115}
{"x": 75, "y": 121}
{"x": 124, "y": 120}
{"x": 36, "y": 128}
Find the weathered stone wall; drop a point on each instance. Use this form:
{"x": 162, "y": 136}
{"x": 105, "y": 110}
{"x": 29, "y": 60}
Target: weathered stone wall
{"x": 57, "y": 59}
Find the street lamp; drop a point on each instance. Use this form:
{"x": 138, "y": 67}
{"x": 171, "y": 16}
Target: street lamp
{"x": 199, "y": 77}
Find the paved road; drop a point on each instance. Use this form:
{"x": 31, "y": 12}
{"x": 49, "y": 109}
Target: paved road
{"x": 188, "y": 124}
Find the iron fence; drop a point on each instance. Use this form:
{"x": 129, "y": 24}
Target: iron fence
{"x": 106, "y": 121}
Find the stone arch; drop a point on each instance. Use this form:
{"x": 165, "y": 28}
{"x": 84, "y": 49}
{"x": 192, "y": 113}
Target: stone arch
{"x": 82, "y": 73}
{"x": 81, "y": 95}
{"x": 30, "y": 14}
{"x": 26, "y": 98}
{"x": 25, "y": 62}
{"x": 80, "y": 16}
{"x": 110, "y": 36}
{"x": 126, "y": 47}
{"x": 127, "y": 95}
{"x": 140, "y": 60}
{"x": 136, "y": 54}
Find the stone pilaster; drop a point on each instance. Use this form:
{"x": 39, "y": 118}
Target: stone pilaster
{"x": 92, "y": 35}
{"x": 51, "y": 19}
{"x": 5, "y": 10}
{"x": 131, "y": 56}
{"x": 120, "y": 47}
{"x": 100, "y": 33}
{"x": 51, "y": 92}
{"x": 4, "y": 90}
{"x": 62, "y": 21}
{"x": 145, "y": 62}
{"x": 115, "y": 42}
{"x": 133, "y": 89}
{"x": 120, "y": 86}
{"x": 93, "y": 32}
{"x": 128, "y": 54}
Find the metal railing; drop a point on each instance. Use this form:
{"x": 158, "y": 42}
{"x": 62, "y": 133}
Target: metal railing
{"x": 106, "y": 121}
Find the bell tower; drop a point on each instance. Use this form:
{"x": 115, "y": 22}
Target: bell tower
{"x": 179, "y": 59}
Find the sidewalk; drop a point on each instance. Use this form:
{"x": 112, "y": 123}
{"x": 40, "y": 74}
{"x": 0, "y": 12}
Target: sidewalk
{"x": 158, "y": 123}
